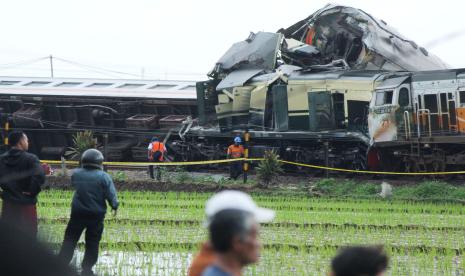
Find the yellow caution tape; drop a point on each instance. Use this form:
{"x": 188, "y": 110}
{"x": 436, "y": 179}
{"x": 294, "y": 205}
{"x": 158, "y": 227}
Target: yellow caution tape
{"x": 145, "y": 164}
{"x": 368, "y": 172}
{"x": 140, "y": 164}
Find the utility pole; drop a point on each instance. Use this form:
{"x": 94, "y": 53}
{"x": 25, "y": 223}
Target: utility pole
{"x": 51, "y": 66}
{"x": 142, "y": 73}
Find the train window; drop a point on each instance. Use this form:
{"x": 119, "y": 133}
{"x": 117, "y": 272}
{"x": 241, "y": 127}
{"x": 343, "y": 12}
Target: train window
{"x": 383, "y": 97}
{"x": 8, "y": 82}
{"x": 68, "y": 84}
{"x": 131, "y": 85}
{"x": 189, "y": 87}
{"x": 404, "y": 97}
{"x": 462, "y": 97}
{"x": 443, "y": 97}
{"x": 162, "y": 86}
{"x": 99, "y": 84}
{"x": 431, "y": 103}
{"x": 37, "y": 83}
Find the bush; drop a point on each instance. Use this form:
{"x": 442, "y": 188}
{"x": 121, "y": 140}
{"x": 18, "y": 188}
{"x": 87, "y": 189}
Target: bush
{"x": 269, "y": 168}
{"x": 82, "y": 141}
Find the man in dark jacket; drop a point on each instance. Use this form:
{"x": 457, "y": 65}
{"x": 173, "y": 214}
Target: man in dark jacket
{"x": 93, "y": 188}
{"x": 21, "y": 177}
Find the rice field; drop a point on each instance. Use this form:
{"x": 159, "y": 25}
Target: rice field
{"x": 158, "y": 233}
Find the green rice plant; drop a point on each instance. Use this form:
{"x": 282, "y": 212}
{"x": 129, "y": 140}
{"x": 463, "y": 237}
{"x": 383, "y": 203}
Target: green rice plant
{"x": 118, "y": 176}
{"x": 158, "y": 233}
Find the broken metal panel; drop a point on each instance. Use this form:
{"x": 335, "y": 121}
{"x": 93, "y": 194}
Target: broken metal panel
{"x": 223, "y": 98}
{"x": 283, "y": 72}
{"x": 392, "y": 83}
{"x": 257, "y": 106}
{"x": 299, "y": 53}
{"x": 360, "y": 39}
{"x": 280, "y": 111}
{"x": 223, "y": 112}
{"x": 257, "y": 51}
{"x": 237, "y": 78}
{"x": 298, "y": 107}
{"x": 241, "y": 104}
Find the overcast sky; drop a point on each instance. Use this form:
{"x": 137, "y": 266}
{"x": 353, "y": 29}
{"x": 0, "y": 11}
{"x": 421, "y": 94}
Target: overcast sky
{"x": 183, "y": 39}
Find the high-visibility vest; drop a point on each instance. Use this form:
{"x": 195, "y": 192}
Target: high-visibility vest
{"x": 157, "y": 146}
{"x": 235, "y": 151}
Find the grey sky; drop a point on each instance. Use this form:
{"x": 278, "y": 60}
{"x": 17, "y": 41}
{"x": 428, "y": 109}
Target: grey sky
{"x": 183, "y": 39}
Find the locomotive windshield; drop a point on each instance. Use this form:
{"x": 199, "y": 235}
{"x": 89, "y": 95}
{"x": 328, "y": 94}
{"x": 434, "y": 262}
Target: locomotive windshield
{"x": 384, "y": 97}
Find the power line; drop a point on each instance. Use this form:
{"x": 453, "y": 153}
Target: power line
{"x": 96, "y": 68}
{"x": 21, "y": 63}
{"x": 90, "y": 68}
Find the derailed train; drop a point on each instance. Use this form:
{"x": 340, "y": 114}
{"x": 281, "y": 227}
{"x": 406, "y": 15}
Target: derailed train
{"x": 339, "y": 88}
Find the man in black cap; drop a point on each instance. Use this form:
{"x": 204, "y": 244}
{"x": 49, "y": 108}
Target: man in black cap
{"x": 21, "y": 178}
{"x": 93, "y": 188}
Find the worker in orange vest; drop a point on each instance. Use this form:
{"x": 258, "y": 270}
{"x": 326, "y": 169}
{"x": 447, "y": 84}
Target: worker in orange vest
{"x": 235, "y": 150}
{"x": 156, "y": 153}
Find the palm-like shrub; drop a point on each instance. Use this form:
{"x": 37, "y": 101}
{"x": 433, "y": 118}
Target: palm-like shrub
{"x": 81, "y": 142}
{"x": 269, "y": 168}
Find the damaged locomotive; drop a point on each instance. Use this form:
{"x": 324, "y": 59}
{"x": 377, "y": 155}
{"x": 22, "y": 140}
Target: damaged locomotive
{"x": 339, "y": 87}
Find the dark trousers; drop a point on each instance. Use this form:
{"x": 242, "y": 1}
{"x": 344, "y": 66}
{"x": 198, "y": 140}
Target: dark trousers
{"x": 21, "y": 216}
{"x": 157, "y": 168}
{"x": 94, "y": 230}
{"x": 235, "y": 169}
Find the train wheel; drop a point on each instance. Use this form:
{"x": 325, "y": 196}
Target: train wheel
{"x": 411, "y": 166}
{"x": 437, "y": 165}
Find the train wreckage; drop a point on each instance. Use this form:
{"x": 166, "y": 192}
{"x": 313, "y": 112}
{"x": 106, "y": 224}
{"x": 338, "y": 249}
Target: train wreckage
{"x": 339, "y": 87}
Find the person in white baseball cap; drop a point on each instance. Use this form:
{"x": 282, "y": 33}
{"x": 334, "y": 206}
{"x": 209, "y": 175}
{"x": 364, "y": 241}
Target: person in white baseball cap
{"x": 237, "y": 200}
{"x": 234, "y": 207}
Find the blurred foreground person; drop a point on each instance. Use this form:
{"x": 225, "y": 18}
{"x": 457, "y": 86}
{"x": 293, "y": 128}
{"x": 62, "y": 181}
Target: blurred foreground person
{"x": 93, "y": 188}
{"x": 359, "y": 261}
{"x": 242, "y": 207}
{"x": 21, "y": 178}
{"x": 21, "y": 254}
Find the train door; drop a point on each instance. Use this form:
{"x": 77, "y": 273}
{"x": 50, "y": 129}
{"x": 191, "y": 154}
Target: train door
{"x": 461, "y": 110}
{"x": 404, "y": 114}
{"x": 429, "y": 114}
{"x": 280, "y": 108}
{"x": 452, "y": 112}
{"x": 339, "y": 110}
{"x": 321, "y": 113}
{"x": 447, "y": 117}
